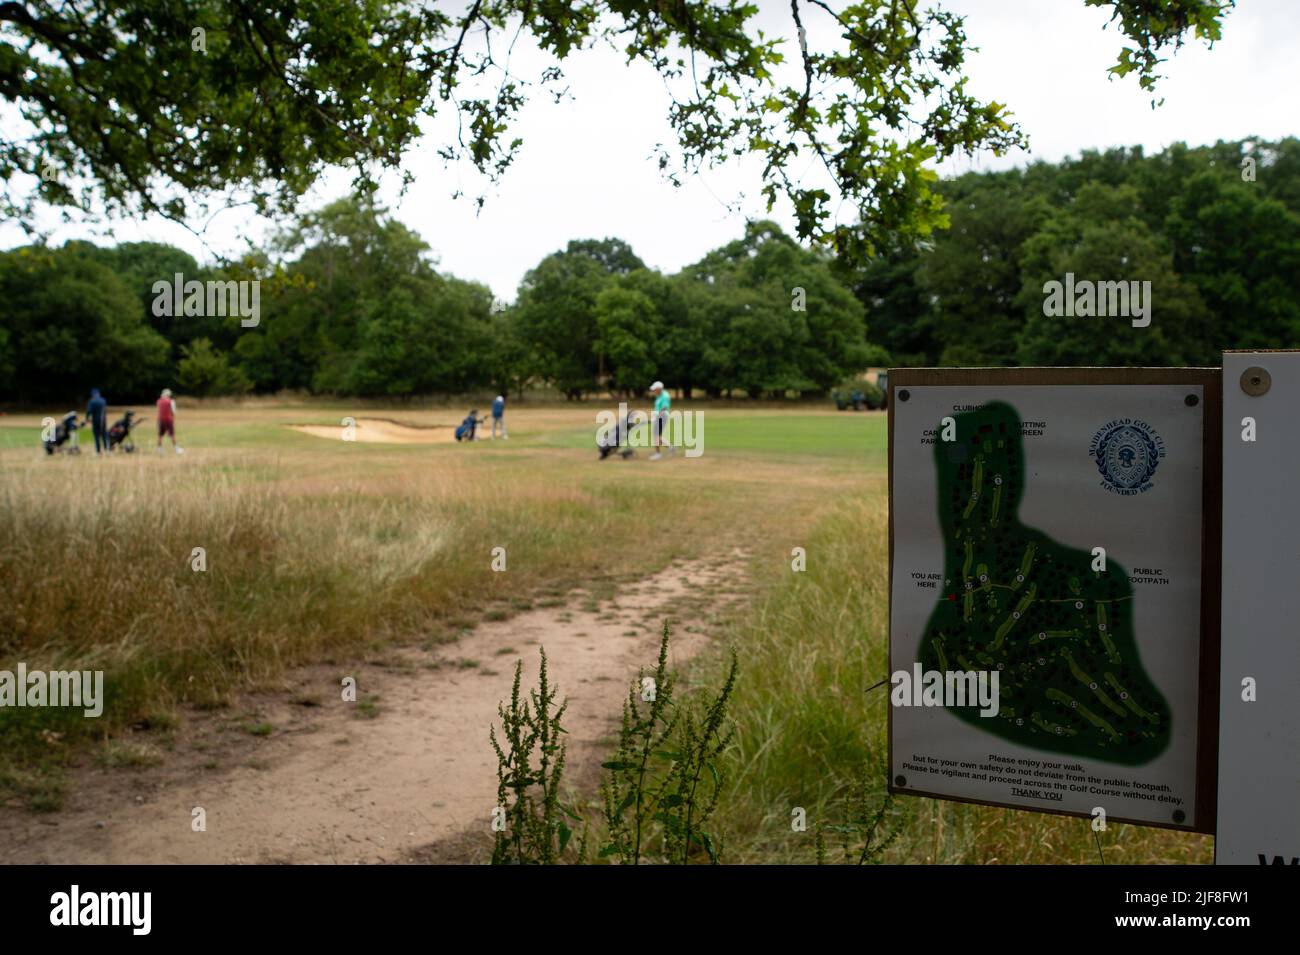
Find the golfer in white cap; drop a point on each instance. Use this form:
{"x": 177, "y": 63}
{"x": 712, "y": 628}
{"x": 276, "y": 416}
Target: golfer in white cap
{"x": 663, "y": 403}
{"x": 499, "y": 417}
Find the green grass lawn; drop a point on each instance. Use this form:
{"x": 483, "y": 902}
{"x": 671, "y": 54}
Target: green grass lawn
{"x": 846, "y": 435}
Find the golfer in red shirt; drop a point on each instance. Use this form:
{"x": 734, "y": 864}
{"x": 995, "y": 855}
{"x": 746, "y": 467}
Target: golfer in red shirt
{"x": 167, "y": 420}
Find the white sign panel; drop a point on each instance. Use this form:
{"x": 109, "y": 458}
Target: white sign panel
{"x": 1259, "y": 693}
{"x": 1046, "y": 588}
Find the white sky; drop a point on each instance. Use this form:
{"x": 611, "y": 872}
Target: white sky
{"x": 586, "y": 169}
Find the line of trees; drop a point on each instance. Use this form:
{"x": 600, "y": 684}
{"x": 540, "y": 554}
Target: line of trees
{"x": 1214, "y": 229}
{"x": 352, "y": 303}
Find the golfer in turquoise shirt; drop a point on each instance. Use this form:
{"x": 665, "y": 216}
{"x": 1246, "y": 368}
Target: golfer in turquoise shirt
{"x": 663, "y": 403}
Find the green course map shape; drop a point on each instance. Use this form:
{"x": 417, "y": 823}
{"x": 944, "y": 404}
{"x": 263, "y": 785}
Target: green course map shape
{"x": 1059, "y": 633}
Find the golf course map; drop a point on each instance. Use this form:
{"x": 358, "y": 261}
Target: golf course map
{"x": 1059, "y": 633}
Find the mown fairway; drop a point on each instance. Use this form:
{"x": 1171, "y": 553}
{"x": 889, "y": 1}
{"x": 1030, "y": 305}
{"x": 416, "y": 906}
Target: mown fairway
{"x": 321, "y": 549}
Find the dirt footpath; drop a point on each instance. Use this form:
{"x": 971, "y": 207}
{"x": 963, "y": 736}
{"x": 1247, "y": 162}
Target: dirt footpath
{"x": 303, "y": 777}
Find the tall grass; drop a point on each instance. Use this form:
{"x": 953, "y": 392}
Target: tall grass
{"x": 806, "y": 723}
{"x": 96, "y": 572}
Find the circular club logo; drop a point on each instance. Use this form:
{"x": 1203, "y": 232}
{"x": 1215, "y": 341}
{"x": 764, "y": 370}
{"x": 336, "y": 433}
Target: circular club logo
{"x": 1126, "y": 451}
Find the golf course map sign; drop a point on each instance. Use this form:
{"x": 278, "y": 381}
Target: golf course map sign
{"x": 1060, "y": 635}
{"x": 1047, "y": 532}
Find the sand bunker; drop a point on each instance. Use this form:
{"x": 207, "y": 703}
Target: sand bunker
{"x": 383, "y": 431}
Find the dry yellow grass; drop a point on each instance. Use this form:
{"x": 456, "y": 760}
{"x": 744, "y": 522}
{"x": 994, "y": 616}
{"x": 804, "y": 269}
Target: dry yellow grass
{"x": 316, "y": 547}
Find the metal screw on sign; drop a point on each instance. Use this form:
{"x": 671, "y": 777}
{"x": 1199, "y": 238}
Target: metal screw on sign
{"x": 1255, "y": 381}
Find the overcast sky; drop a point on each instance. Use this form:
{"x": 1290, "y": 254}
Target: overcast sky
{"x": 587, "y": 170}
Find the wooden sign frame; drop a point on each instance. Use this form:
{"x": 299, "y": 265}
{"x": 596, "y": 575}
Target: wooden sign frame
{"x": 1211, "y": 381}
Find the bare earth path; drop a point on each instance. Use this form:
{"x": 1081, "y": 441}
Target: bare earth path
{"x": 329, "y": 785}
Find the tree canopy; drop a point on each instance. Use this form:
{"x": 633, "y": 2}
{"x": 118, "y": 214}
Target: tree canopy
{"x": 355, "y": 305}
{"x": 1219, "y": 245}
{"x": 164, "y": 106}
